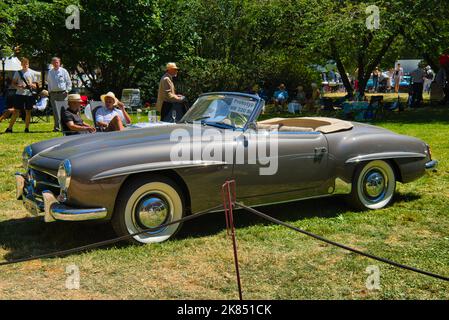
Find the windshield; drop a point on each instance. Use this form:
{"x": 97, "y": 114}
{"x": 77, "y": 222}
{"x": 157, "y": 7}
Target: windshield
{"x": 224, "y": 111}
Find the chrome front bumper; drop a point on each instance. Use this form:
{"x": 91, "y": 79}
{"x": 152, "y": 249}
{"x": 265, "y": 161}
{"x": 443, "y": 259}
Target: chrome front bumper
{"x": 432, "y": 165}
{"x": 50, "y": 207}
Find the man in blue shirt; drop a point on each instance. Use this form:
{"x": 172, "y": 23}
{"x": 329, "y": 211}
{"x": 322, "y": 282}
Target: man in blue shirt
{"x": 280, "y": 98}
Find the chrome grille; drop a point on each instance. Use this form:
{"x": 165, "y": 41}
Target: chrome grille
{"x": 43, "y": 180}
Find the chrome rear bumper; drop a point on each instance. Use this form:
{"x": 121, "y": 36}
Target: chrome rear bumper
{"x": 50, "y": 207}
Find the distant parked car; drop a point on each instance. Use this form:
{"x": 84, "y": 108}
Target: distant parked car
{"x": 405, "y": 83}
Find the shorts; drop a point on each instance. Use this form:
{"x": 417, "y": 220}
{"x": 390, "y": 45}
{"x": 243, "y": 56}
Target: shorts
{"x": 23, "y": 102}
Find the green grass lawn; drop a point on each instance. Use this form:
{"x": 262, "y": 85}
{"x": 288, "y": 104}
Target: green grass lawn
{"x": 275, "y": 262}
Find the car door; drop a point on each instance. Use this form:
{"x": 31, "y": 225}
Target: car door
{"x": 297, "y": 169}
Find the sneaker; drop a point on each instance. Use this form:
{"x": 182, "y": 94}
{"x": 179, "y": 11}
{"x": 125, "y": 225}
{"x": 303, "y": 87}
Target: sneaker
{"x": 8, "y": 130}
{"x": 27, "y": 130}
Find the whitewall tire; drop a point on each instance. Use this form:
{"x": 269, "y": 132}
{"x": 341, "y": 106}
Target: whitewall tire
{"x": 146, "y": 203}
{"x": 373, "y": 185}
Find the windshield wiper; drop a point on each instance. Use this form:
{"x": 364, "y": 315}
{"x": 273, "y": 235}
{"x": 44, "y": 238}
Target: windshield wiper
{"x": 198, "y": 119}
{"x": 221, "y": 125}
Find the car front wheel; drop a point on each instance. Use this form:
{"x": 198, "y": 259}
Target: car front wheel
{"x": 146, "y": 203}
{"x": 373, "y": 186}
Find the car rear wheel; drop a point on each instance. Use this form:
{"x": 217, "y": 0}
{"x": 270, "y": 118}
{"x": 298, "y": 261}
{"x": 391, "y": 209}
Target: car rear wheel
{"x": 373, "y": 186}
{"x": 145, "y": 203}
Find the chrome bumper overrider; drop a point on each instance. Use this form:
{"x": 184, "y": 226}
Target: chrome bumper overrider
{"x": 431, "y": 165}
{"x": 49, "y": 206}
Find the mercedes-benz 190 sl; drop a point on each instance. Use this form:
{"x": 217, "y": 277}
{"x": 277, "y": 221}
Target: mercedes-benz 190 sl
{"x": 140, "y": 179}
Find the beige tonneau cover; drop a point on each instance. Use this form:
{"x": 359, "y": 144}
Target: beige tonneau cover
{"x": 306, "y": 124}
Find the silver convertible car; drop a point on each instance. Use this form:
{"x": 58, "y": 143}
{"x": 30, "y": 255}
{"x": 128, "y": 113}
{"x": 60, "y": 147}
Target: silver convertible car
{"x": 142, "y": 178}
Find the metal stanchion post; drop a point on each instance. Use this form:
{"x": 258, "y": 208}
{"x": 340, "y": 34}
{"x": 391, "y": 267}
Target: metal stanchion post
{"x": 229, "y": 198}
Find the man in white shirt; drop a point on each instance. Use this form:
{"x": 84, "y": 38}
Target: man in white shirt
{"x": 110, "y": 118}
{"x": 23, "y": 81}
{"x": 418, "y": 77}
{"x": 59, "y": 85}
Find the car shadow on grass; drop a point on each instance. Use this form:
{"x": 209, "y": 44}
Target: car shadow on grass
{"x": 26, "y": 237}
{"x": 329, "y": 207}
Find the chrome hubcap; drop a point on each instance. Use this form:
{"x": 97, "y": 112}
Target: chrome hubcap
{"x": 375, "y": 185}
{"x": 152, "y": 211}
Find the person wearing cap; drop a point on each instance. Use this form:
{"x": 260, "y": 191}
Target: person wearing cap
{"x": 167, "y": 99}
{"x": 112, "y": 116}
{"x": 70, "y": 118}
{"x": 280, "y": 97}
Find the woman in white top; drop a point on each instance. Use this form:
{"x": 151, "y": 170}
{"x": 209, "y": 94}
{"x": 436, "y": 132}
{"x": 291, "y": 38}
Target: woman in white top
{"x": 110, "y": 118}
{"x": 398, "y": 74}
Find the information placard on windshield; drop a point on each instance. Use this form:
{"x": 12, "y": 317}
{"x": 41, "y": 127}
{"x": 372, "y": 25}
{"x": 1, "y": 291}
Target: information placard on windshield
{"x": 242, "y": 106}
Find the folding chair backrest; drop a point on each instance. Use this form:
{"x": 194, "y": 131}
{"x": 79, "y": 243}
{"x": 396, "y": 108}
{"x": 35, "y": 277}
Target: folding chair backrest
{"x": 94, "y": 106}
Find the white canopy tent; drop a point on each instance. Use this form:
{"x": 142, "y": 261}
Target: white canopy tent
{"x": 12, "y": 64}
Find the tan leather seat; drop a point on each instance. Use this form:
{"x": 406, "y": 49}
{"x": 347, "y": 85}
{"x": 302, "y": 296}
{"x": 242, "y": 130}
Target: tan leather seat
{"x": 321, "y": 124}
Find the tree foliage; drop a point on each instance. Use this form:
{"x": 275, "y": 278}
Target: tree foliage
{"x": 222, "y": 44}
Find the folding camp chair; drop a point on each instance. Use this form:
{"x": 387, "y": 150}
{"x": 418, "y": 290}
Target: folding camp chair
{"x": 43, "y": 114}
{"x": 375, "y": 108}
{"x": 94, "y": 106}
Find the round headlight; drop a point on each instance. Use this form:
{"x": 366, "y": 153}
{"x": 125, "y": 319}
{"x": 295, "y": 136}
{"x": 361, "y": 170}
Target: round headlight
{"x": 27, "y": 154}
{"x": 64, "y": 175}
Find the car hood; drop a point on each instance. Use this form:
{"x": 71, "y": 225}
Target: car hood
{"x": 90, "y": 143}
{"x": 100, "y": 141}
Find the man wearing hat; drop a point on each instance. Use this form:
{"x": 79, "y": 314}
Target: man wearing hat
{"x": 112, "y": 116}
{"x": 71, "y": 120}
{"x": 167, "y": 99}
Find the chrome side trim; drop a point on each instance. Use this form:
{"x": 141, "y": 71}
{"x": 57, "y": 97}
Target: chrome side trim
{"x": 153, "y": 167}
{"x": 385, "y": 155}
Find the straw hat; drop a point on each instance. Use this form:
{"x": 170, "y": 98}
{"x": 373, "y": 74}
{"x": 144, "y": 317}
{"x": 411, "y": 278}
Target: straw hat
{"x": 110, "y": 95}
{"x": 74, "y": 98}
{"x": 171, "y": 65}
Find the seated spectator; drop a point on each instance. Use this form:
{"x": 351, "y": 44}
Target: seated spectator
{"x": 70, "y": 118}
{"x": 42, "y": 103}
{"x": 280, "y": 98}
{"x": 110, "y": 118}
{"x": 313, "y": 99}
{"x": 301, "y": 96}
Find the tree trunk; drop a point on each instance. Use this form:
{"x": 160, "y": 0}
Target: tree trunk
{"x": 365, "y": 70}
{"x": 342, "y": 70}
